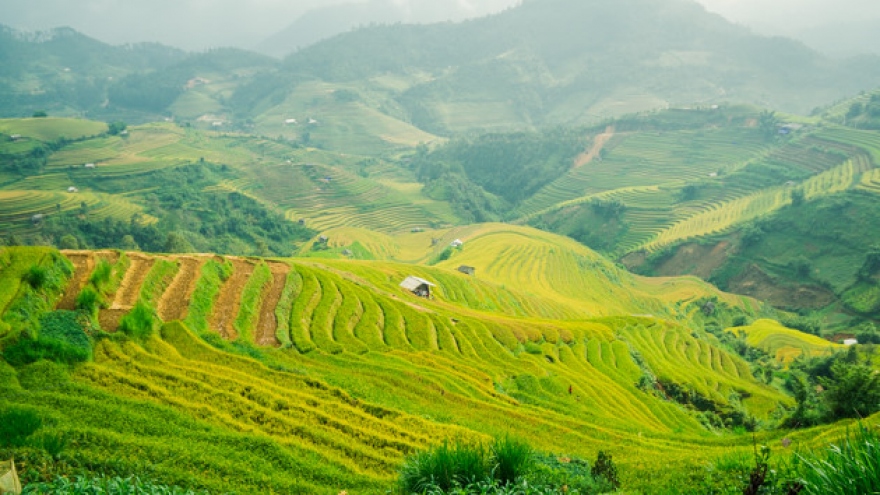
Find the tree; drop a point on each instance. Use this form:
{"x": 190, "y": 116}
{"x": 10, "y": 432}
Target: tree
{"x": 177, "y": 243}
{"x": 40, "y": 114}
{"x": 68, "y": 241}
{"x": 128, "y": 243}
{"x": 797, "y": 197}
{"x": 116, "y": 127}
{"x": 853, "y": 391}
{"x": 768, "y": 123}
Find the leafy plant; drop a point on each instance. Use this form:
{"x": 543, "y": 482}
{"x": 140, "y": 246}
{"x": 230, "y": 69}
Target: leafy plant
{"x": 36, "y": 277}
{"x": 510, "y": 458}
{"x": 604, "y": 468}
{"x": 140, "y": 322}
{"x": 445, "y": 467}
{"x": 851, "y": 467}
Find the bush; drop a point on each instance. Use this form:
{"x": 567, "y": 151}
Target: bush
{"x": 140, "y": 322}
{"x": 88, "y": 301}
{"x": 27, "y": 351}
{"x": 17, "y": 424}
{"x": 101, "y": 275}
{"x": 66, "y": 327}
{"x": 445, "y": 467}
{"x": 605, "y": 469}
{"x": 511, "y": 458}
{"x": 36, "y": 277}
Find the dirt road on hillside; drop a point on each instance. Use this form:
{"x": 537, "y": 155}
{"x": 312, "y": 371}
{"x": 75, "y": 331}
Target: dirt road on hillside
{"x": 268, "y": 325}
{"x": 599, "y": 142}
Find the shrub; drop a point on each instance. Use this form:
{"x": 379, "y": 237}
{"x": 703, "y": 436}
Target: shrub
{"x": 604, "y": 468}
{"x": 27, "y": 351}
{"x": 850, "y": 468}
{"x": 17, "y": 424}
{"x": 511, "y": 458}
{"x": 140, "y": 322}
{"x": 66, "y": 327}
{"x": 88, "y": 300}
{"x": 100, "y": 277}
{"x": 444, "y": 467}
{"x": 36, "y": 277}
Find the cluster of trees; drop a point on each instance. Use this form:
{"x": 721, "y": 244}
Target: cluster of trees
{"x": 827, "y": 389}
{"x": 190, "y": 219}
{"x": 486, "y": 175}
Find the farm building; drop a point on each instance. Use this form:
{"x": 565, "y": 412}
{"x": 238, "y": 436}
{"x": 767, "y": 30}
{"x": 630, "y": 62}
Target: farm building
{"x": 15, "y": 137}
{"x": 850, "y": 342}
{"x": 72, "y": 189}
{"x": 37, "y": 218}
{"x": 89, "y": 165}
{"x": 457, "y": 243}
{"x": 467, "y": 270}
{"x": 418, "y": 286}
{"x": 290, "y": 121}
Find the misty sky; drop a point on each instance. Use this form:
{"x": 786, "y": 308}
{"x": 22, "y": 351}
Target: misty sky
{"x": 199, "y": 24}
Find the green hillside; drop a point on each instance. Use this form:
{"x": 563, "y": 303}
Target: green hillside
{"x": 342, "y": 373}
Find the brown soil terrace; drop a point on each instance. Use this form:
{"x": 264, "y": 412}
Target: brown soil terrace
{"x": 130, "y": 288}
{"x": 175, "y": 301}
{"x": 83, "y": 264}
{"x": 268, "y": 324}
{"x": 229, "y": 301}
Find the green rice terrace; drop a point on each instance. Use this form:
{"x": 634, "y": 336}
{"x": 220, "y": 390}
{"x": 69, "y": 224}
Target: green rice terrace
{"x": 260, "y": 375}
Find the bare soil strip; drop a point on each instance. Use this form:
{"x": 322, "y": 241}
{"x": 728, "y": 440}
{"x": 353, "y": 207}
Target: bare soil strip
{"x": 598, "y": 143}
{"x": 83, "y": 264}
{"x": 130, "y": 288}
{"x": 229, "y": 301}
{"x": 268, "y": 324}
{"x": 110, "y": 318}
{"x": 175, "y": 301}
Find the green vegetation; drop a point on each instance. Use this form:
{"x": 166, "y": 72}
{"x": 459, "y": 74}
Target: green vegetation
{"x": 110, "y": 486}
{"x": 213, "y": 274}
{"x": 849, "y": 467}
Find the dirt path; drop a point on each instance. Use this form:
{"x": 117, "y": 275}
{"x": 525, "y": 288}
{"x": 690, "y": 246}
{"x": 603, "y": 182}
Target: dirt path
{"x": 130, "y": 287}
{"x": 268, "y": 324}
{"x": 175, "y": 301}
{"x": 229, "y": 301}
{"x": 598, "y": 143}
{"x": 83, "y": 264}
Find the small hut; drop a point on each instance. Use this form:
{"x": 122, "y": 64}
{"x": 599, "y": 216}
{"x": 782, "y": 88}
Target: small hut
{"x": 467, "y": 270}
{"x": 89, "y": 165}
{"x": 457, "y": 243}
{"x": 418, "y": 286}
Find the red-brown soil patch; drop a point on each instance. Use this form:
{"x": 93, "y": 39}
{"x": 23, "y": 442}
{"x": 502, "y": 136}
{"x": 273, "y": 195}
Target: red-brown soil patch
{"x": 756, "y": 283}
{"x": 130, "y": 287}
{"x": 229, "y": 301}
{"x": 268, "y": 324}
{"x": 695, "y": 259}
{"x": 110, "y": 318}
{"x": 83, "y": 264}
{"x": 174, "y": 303}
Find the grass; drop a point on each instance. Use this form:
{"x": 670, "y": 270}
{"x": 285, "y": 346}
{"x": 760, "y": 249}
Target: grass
{"x": 213, "y": 274}
{"x": 249, "y": 311}
{"x": 848, "y": 467}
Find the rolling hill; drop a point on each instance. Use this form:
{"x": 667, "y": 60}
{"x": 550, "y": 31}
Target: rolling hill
{"x": 326, "y": 373}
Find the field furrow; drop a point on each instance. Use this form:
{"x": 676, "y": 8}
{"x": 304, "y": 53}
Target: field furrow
{"x": 267, "y": 326}
{"x": 175, "y": 301}
{"x": 229, "y": 300}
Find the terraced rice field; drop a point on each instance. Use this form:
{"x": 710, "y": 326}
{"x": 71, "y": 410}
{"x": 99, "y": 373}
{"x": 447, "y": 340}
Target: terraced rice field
{"x": 720, "y": 217}
{"x": 785, "y": 344}
{"x": 366, "y": 373}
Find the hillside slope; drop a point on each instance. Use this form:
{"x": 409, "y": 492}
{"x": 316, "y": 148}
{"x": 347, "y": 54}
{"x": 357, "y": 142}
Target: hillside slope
{"x": 353, "y": 372}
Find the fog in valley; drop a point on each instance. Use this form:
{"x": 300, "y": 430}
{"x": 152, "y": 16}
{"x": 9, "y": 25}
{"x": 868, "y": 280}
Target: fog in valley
{"x": 844, "y": 27}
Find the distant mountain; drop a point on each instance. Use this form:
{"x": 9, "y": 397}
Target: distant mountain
{"x": 570, "y": 61}
{"x": 65, "y": 72}
{"x": 326, "y": 22}
{"x": 857, "y": 37}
